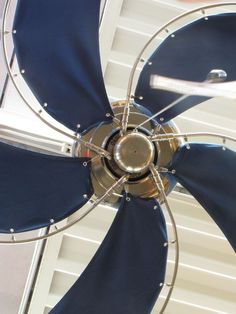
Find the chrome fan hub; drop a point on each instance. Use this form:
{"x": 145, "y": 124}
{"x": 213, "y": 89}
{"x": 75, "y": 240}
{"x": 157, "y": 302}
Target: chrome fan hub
{"x": 134, "y": 152}
{"x": 131, "y": 154}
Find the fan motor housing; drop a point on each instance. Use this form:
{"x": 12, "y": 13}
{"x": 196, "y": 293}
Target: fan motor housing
{"x": 131, "y": 154}
{"x": 134, "y": 152}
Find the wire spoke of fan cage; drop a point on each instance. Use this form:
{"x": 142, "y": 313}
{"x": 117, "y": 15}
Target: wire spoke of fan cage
{"x": 165, "y": 28}
{"x": 38, "y": 110}
{"x": 96, "y": 149}
{"x": 171, "y": 136}
{"x": 160, "y": 187}
{"x": 94, "y": 204}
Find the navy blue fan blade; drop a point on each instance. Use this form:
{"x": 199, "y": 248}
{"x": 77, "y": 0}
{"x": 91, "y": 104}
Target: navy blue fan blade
{"x": 36, "y": 188}
{"x": 208, "y": 172}
{"x": 56, "y": 44}
{"x": 191, "y": 54}
{"x": 125, "y": 274}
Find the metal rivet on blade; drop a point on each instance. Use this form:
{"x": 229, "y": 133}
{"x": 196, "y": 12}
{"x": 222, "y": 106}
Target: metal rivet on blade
{"x": 173, "y": 35}
{"x": 206, "y": 18}
{"x": 52, "y": 221}
{"x": 224, "y": 148}
{"x": 170, "y": 243}
{"x": 162, "y": 119}
{"x": 173, "y": 171}
{"x": 22, "y": 71}
{"x": 108, "y": 115}
{"x": 166, "y": 284}
{"x": 149, "y": 63}
{"x": 140, "y": 97}
{"x": 155, "y": 207}
{"x": 12, "y": 230}
{"x": 78, "y": 126}
{"x": 14, "y": 31}
{"x": 127, "y": 199}
{"x": 85, "y": 196}
{"x": 85, "y": 164}
{"x": 45, "y": 105}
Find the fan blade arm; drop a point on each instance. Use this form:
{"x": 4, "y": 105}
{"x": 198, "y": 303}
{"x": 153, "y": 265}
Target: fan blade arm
{"x": 189, "y": 54}
{"x": 59, "y": 59}
{"x": 37, "y": 189}
{"x": 208, "y": 172}
{"x": 126, "y": 273}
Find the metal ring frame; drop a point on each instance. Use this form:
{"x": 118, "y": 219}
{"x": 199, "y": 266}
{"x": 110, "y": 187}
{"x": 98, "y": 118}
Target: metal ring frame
{"x": 87, "y": 211}
{"x": 158, "y": 182}
{"x": 37, "y": 111}
{"x": 40, "y": 112}
{"x": 139, "y": 57}
{"x": 70, "y": 134}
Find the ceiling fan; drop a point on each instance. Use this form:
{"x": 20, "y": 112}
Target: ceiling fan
{"x": 128, "y": 153}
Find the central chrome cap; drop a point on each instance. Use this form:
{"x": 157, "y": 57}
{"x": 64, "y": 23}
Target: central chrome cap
{"x": 134, "y": 152}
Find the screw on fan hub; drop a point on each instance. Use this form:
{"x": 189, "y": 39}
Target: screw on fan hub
{"x": 134, "y": 152}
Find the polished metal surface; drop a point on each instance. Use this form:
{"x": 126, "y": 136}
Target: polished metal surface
{"x": 134, "y": 152}
{"x": 108, "y": 136}
{"x": 216, "y": 76}
{"x": 159, "y": 185}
